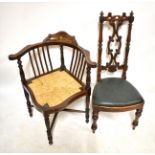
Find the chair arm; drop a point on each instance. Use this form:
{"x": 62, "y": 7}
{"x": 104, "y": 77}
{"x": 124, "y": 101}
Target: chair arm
{"x": 19, "y": 54}
{"x": 87, "y": 56}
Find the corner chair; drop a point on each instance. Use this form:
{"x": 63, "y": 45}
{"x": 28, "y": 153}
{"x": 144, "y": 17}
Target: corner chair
{"x": 53, "y": 87}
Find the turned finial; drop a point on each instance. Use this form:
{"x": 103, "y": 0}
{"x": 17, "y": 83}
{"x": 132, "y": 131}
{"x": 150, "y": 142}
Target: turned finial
{"x": 123, "y": 14}
{"x": 131, "y": 17}
{"x": 101, "y": 16}
{"x": 109, "y": 14}
{"x": 131, "y": 13}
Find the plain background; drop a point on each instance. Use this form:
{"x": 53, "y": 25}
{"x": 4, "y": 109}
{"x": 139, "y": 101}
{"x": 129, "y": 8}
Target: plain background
{"x": 27, "y": 23}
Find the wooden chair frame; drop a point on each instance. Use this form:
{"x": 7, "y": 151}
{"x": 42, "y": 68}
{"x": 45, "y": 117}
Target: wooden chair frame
{"x": 115, "y": 21}
{"x": 77, "y": 68}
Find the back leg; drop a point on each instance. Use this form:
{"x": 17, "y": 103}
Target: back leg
{"x": 136, "y": 120}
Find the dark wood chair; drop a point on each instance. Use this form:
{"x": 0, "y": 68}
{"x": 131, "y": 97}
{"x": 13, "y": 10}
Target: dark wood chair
{"x": 113, "y": 94}
{"x": 52, "y": 81}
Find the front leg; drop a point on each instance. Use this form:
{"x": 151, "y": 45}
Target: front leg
{"x": 88, "y": 88}
{"x": 138, "y": 114}
{"x": 47, "y": 123}
{"x": 29, "y": 106}
{"x": 95, "y": 118}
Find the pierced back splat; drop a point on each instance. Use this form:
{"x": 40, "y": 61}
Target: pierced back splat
{"x": 115, "y": 22}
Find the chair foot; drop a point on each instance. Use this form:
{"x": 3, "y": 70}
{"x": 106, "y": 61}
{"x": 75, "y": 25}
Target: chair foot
{"x": 30, "y": 109}
{"x": 87, "y": 121}
{"x": 94, "y": 117}
{"x": 30, "y": 114}
{"x": 138, "y": 114}
{"x": 50, "y": 139}
{"x": 50, "y": 143}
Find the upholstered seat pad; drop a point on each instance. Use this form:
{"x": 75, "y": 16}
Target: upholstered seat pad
{"x": 115, "y": 92}
{"x": 54, "y": 88}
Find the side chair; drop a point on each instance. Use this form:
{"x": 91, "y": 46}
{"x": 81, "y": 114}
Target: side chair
{"x": 114, "y": 94}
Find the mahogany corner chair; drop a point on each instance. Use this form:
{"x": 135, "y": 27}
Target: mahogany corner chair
{"x": 51, "y": 88}
{"x": 114, "y": 94}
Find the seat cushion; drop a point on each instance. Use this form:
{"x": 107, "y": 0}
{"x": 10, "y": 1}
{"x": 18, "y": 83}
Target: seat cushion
{"x": 115, "y": 92}
{"x": 54, "y": 88}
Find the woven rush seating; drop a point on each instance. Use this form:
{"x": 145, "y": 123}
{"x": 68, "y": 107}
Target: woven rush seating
{"x": 54, "y": 88}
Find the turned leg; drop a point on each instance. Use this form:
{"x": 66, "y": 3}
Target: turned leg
{"x": 49, "y": 133}
{"x": 87, "y": 107}
{"x": 94, "y": 117}
{"x": 88, "y": 88}
{"x": 137, "y": 115}
{"x": 29, "y": 106}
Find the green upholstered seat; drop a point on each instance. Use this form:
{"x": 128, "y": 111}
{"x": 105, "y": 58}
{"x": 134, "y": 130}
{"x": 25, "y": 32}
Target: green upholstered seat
{"x": 115, "y": 92}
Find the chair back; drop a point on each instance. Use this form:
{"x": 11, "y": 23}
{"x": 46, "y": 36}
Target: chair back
{"x": 57, "y": 51}
{"x": 113, "y": 45}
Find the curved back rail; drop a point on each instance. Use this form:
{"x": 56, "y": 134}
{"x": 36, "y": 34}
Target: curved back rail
{"x": 42, "y": 56}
